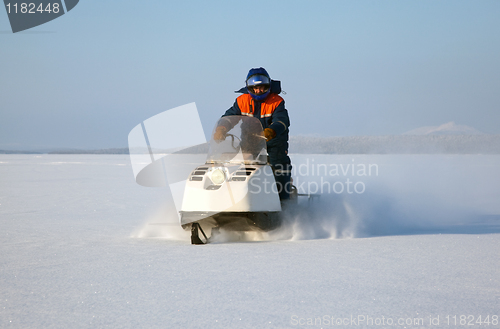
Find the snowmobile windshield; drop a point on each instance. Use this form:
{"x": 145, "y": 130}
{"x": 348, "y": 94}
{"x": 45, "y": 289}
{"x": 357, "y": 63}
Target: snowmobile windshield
{"x": 237, "y": 139}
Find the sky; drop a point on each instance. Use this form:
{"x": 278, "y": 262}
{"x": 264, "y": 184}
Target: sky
{"x": 85, "y": 79}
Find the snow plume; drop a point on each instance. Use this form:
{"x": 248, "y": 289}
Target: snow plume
{"x": 403, "y": 194}
{"x": 425, "y": 194}
{"x": 337, "y": 217}
{"x": 232, "y": 236}
{"x": 322, "y": 217}
{"x": 162, "y": 223}
{"x": 313, "y": 219}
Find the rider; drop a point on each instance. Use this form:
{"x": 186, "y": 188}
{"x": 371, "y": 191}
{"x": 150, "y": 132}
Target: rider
{"x": 260, "y": 99}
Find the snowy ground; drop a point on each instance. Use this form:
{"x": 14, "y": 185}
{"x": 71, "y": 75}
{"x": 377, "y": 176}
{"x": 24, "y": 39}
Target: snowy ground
{"x": 421, "y": 242}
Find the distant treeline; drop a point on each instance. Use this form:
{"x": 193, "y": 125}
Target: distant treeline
{"x": 70, "y": 151}
{"x": 396, "y": 144}
{"x": 18, "y": 152}
{"x": 101, "y": 151}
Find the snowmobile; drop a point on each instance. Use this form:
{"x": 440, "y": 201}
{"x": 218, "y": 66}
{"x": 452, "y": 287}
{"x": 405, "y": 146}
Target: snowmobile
{"x": 235, "y": 188}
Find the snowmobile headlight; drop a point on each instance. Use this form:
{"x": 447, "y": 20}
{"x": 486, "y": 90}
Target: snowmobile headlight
{"x": 218, "y": 177}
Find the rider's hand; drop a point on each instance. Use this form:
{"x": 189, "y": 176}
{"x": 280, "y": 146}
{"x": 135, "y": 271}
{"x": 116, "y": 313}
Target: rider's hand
{"x": 269, "y": 134}
{"x": 220, "y": 133}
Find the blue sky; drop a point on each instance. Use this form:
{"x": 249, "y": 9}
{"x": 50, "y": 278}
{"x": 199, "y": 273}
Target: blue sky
{"x": 349, "y": 68}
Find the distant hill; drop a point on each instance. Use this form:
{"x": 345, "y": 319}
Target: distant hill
{"x": 397, "y": 144}
{"x": 450, "y": 128}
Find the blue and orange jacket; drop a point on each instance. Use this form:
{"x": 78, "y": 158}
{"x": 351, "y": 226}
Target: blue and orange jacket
{"x": 271, "y": 112}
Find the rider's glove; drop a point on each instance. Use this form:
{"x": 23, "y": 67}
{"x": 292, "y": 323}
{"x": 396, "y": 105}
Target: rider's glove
{"x": 220, "y": 133}
{"x": 269, "y": 134}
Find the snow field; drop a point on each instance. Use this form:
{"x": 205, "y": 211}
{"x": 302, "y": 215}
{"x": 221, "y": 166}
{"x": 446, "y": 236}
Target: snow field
{"x": 77, "y": 250}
